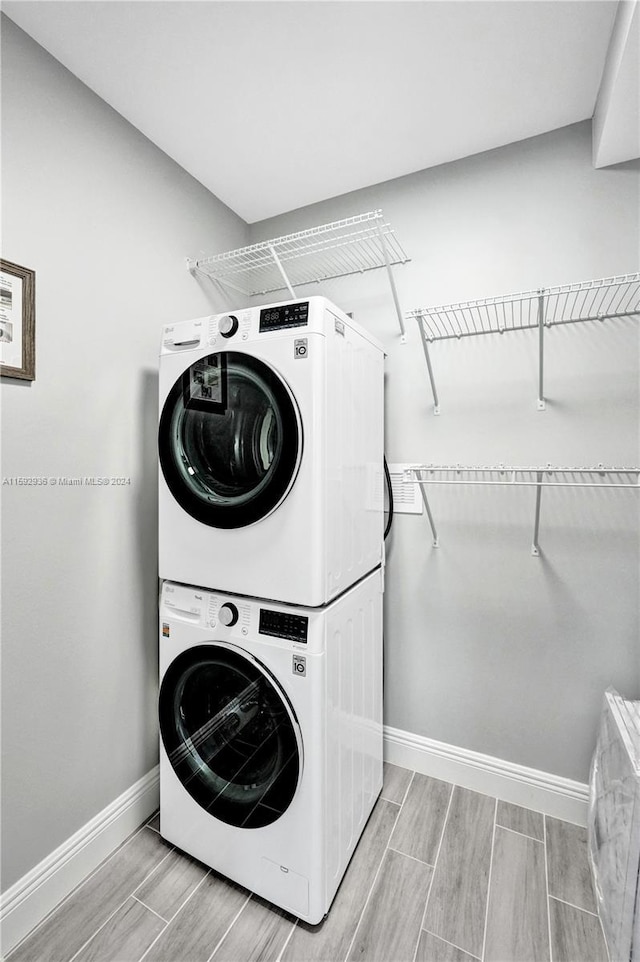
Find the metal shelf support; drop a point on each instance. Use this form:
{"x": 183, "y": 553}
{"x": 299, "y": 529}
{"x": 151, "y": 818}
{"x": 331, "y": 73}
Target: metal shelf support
{"x": 541, "y": 404}
{"x": 282, "y": 270}
{"x": 392, "y": 284}
{"x": 538, "y": 477}
{"x": 425, "y": 347}
{"x": 535, "y": 547}
{"x": 435, "y": 542}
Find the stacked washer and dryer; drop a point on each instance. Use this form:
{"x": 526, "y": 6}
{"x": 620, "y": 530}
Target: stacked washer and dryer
{"x": 271, "y": 555}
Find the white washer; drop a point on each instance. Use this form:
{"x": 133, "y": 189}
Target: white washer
{"x": 271, "y": 452}
{"x": 271, "y": 736}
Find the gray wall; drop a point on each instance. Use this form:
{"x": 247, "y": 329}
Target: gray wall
{"x": 487, "y": 647}
{"x": 106, "y": 221}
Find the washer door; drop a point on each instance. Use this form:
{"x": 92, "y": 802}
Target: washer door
{"x": 230, "y": 440}
{"x": 230, "y": 734}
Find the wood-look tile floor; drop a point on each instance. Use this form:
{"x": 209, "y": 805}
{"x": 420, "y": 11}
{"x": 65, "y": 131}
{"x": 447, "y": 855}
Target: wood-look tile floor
{"x": 441, "y": 874}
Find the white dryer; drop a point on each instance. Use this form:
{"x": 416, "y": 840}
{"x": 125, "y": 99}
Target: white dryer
{"x": 271, "y": 452}
{"x": 271, "y": 736}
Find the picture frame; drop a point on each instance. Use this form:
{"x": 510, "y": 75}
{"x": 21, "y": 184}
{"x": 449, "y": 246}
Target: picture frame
{"x": 17, "y": 321}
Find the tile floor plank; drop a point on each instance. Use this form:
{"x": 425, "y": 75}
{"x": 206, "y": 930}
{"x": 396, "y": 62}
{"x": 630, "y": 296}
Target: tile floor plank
{"x": 258, "y": 934}
{"x": 520, "y": 819}
{"x": 421, "y": 820}
{"x": 331, "y": 938}
{"x": 127, "y": 935}
{"x": 568, "y": 864}
{"x": 576, "y": 936}
{"x": 395, "y": 783}
{"x": 517, "y": 922}
{"x": 77, "y": 919}
{"x": 458, "y": 899}
{"x": 433, "y": 949}
{"x": 202, "y": 921}
{"x": 171, "y": 884}
{"x": 390, "y": 925}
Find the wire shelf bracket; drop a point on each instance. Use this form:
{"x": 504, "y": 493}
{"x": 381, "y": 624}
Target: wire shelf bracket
{"x": 345, "y": 247}
{"x": 538, "y": 477}
{"x": 595, "y": 300}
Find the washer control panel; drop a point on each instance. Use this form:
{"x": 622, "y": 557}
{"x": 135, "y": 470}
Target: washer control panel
{"x": 281, "y": 624}
{"x": 224, "y": 613}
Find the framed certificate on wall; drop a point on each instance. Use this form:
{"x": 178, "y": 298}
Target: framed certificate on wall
{"x": 17, "y": 321}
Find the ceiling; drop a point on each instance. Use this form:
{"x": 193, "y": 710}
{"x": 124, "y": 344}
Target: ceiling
{"x": 274, "y": 105}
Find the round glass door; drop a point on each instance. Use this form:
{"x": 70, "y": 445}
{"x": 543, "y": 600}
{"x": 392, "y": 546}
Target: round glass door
{"x": 230, "y": 734}
{"x": 230, "y": 440}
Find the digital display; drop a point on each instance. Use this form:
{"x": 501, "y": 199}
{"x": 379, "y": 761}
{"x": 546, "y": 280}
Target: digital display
{"x": 285, "y": 315}
{"x": 280, "y": 624}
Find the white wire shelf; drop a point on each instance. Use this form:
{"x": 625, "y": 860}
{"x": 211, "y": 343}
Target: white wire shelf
{"x": 595, "y": 300}
{"x": 352, "y": 246}
{"x": 547, "y": 476}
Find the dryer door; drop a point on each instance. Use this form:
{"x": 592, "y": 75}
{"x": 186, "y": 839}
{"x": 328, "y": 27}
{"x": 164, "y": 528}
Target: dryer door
{"x": 230, "y": 734}
{"x": 230, "y": 440}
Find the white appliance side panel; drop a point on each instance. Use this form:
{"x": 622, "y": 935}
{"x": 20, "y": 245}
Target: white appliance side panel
{"x": 354, "y": 503}
{"x": 354, "y": 721}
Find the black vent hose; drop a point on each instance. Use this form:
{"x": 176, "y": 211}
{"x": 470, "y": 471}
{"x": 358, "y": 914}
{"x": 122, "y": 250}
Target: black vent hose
{"x": 390, "y": 494}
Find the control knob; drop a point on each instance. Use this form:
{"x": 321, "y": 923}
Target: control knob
{"x": 228, "y": 614}
{"x": 228, "y": 325}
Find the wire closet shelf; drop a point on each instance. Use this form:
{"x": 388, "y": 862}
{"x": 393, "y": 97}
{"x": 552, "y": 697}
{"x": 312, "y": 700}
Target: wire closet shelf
{"x": 594, "y": 300}
{"x": 351, "y": 246}
{"x": 547, "y": 476}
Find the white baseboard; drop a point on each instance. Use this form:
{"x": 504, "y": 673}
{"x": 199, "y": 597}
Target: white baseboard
{"x": 551, "y": 794}
{"x": 33, "y": 896}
